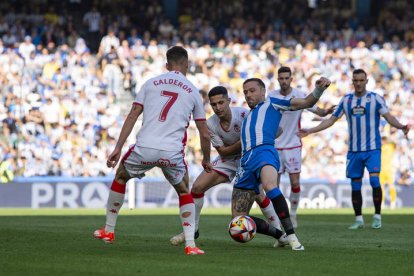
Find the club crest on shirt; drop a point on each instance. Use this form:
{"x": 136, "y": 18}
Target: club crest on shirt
{"x": 236, "y": 128}
{"x": 358, "y": 111}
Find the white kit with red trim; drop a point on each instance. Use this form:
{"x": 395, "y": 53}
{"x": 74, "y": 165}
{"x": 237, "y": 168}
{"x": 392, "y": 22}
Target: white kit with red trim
{"x": 290, "y": 122}
{"x": 168, "y": 100}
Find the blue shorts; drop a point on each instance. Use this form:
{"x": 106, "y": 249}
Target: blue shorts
{"x": 356, "y": 162}
{"x": 248, "y": 174}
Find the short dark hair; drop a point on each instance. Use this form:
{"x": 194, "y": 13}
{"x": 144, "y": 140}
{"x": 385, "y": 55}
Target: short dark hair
{"x": 284, "y": 69}
{"x": 259, "y": 82}
{"x": 176, "y": 54}
{"x": 359, "y": 71}
{"x": 218, "y": 90}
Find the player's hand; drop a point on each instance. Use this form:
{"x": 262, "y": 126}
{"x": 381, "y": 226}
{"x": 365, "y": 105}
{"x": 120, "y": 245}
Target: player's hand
{"x": 330, "y": 110}
{"x": 113, "y": 158}
{"x": 322, "y": 83}
{"x": 207, "y": 166}
{"x": 406, "y": 129}
{"x": 303, "y": 132}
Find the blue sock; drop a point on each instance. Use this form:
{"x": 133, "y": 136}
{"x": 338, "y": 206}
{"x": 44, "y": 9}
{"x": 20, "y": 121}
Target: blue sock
{"x": 275, "y": 192}
{"x": 374, "y": 181}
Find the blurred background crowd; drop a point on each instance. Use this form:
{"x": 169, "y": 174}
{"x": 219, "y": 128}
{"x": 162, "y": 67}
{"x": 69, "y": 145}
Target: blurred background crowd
{"x": 69, "y": 71}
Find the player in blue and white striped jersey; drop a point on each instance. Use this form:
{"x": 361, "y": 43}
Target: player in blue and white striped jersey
{"x": 260, "y": 162}
{"x": 362, "y": 109}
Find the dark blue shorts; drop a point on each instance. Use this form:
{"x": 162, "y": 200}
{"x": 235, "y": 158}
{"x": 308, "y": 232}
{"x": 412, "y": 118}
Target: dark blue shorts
{"x": 248, "y": 174}
{"x": 356, "y": 162}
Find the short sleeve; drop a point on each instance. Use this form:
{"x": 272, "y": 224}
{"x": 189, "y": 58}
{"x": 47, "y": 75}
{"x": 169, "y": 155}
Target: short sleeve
{"x": 140, "y": 98}
{"x": 216, "y": 141}
{"x": 198, "y": 112}
{"x": 340, "y": 109}
{"x": 383, "y": 109}
{"x": 280, "y": 104}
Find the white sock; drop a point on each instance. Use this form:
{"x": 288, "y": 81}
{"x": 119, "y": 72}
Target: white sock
{"x": 269, "y": 212}
{"x": 377, "y": 216}
{"x": 359, "y": 218}
{"x": 115, "y": 201}
{"x": 198, "y": 202}
{"x": 294, "y": 198}
{"x": 187, "y": 216}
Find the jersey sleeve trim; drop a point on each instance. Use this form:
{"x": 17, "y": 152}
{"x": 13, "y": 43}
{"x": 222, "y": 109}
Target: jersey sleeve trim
{"x": 200, "y": 119}
{"x": 137, "y": 103}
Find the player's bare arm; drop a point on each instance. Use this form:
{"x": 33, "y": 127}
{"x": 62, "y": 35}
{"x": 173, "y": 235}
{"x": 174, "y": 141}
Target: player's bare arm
{"x": 323, "y": 125}
{"x": 242, "y": 201}
{"x": 205, "y": 144}
{"x": 302, "y": 103}
{"x": 127, "y": 127}
{"x": 324, "y": 112}
{"x": 229, "y": 150}
{"x": 395, "y": 123}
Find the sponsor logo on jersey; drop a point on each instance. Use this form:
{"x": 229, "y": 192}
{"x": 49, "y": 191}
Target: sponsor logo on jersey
{"x": 236, "y": 128}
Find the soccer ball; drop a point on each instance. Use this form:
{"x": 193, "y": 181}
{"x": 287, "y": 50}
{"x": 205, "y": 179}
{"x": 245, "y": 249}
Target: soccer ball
{"x": 242, "y": 229}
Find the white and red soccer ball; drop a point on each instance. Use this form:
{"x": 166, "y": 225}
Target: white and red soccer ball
{"x": 242, "y": 229}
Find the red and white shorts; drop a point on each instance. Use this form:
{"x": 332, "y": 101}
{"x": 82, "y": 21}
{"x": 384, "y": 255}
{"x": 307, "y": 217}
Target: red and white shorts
{"x": 290, "y": 160}
{"x": 227, "y": 168}
{"x": 138, "y": 160}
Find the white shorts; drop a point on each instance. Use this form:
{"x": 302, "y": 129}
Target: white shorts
{"x": 290, "y": 160}
{"x": 227, "y": 168}
{"x": 138, "y": 160}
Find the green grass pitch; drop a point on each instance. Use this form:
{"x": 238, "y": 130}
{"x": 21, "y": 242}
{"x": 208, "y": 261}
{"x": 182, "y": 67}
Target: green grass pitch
{"x": 60, "y": 242}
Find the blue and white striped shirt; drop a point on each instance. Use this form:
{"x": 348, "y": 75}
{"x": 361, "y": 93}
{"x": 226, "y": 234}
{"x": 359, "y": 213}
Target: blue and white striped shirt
{"x": 261, "y": 125}
{"x": 363, "y": 116}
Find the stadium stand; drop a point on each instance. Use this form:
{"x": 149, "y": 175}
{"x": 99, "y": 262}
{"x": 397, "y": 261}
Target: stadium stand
{"x": 70, "y": 69}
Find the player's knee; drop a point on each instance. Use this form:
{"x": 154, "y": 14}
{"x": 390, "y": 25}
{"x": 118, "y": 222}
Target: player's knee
{"x": 197, "y": 189}
{"x": 121, "y": 175}
{"x": 374, "y": 181}
{"x": 356, "y": 184}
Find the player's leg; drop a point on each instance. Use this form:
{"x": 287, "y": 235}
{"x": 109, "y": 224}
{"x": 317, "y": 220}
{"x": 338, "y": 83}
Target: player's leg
{"x": 393, "y": 191}
{"x": 373, "y": 164}
{"x": 202, "y": 184}
{"x": 268, "y": 178}
{"x": 292, "y": 162}
{"x": 294, "y": 196}
{"x": 241, "y": 203}
{"x": 355, "y": 171}
{"x": 267, "y": 209}
{"x": 114, "y": 204}
{"x": 176, "y": 173}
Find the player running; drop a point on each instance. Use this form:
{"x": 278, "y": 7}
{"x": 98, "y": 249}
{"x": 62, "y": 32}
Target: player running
{"x": 167, "y": 103}
{"x": 289, "y": 145}
{"x": 224, "y": 127}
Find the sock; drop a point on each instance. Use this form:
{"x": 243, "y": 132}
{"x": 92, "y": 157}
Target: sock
{"x": 199, "y": 202}
{"x": 262, "y": 227}
{"x": 187, "y": 216}
{"x": 281, "y": 208}
{"x": 356, "y": 197}
{"x": 115, "y": 201}
{"x": 377, "y": 197}
{"x": 269, "y": 212}
{"x": 294, "y": 200}
{"x": 357, "y": 202}
{"x": 377, "y": 216}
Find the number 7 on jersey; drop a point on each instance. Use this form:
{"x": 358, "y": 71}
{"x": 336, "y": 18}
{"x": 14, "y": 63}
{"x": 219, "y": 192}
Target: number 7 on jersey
{"x": 172, "y": 97}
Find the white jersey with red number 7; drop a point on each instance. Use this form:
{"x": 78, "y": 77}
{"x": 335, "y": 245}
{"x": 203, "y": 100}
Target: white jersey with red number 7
{"x": 168, "y": 101}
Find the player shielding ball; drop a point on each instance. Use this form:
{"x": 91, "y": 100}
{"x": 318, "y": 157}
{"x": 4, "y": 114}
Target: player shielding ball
{"x": 259, "y": 164}
{"x": 224, "y": 127}
{"x": 289, "y": 145}
{"x": 167, "y": 103}
{"x": 363, "y": 110}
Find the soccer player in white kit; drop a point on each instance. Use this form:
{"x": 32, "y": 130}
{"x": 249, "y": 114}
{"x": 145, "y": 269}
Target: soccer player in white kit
{"x": 289, "y": 145}
{"x": 167, "y": 103}
{"x": 224, "y": 127}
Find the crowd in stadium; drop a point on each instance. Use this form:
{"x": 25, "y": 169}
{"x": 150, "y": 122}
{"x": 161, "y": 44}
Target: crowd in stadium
{"x": 68, "y": 79}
